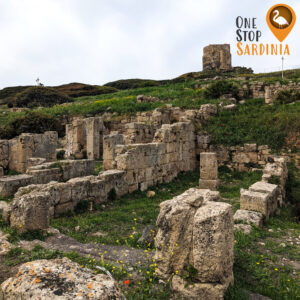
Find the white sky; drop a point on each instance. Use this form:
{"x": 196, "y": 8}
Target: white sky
{"x": 96, "y": 41}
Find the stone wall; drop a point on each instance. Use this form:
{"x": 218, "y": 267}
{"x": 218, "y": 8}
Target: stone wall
{"x": 195, "y": 232}
{"x": 84, "y": 138}
{"x": 217, "y": 57}
{"x": 16, "y": 153}
{"x": 46, "y": 172}
{"x": 34, "y": 205}
{"x": 272, "y": 90}
{"x": 242, "y": 158}
{"x": 172, "y": 151}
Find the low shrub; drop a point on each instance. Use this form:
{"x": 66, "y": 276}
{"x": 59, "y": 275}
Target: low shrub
{"x": 39, "y": 96}
{"x": 219, "y": 88}
{"x": 132, "y": 84}
{"x": 75, "y": 90}
{"x": 7, "y": 94}
{"x": 287, "y": 96}
{"x": 31, "y": 122}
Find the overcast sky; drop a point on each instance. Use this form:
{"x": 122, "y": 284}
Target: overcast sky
{"x": 96, "y": 41}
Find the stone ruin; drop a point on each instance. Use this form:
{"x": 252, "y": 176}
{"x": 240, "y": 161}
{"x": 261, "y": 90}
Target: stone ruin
{"x": 217, "y": 57}
{"x": 153, "y": 147}
{"x": 195, "y": 234}
{"x": 15, "y": 154}
{"x": 272, "y": 90}
{"x": 84, "y": 138}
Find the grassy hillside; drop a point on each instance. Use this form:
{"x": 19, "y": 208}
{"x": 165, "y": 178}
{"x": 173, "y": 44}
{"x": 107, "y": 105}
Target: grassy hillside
{"x": 251, "y": 122}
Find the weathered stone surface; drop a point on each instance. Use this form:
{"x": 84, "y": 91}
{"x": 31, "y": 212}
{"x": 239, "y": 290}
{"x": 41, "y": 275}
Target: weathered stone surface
{"x": 4, "y": 153}
{"x": 10, "y": 184}
{"x": 208, "y": 110}
{"x": 264, "y": 187}
{"x": 199, "y": 291}
{"x": 208, "y": 171}
{"x": 208, "y": 166}
{"x": 248, "y": 217}
{"x": 213, "y": 242}
{"x": 29, "y": 145}
{"x": 217, "y": 57}
{"x": 256, "y": 201}
{"x": 175, "y": 231}
{"x": 193, "y": 231}
{"x": 30, "y": 212}
{"x": 84, "y": 138}
{"x": 5, "y": 246}
{"x": 5, "y": 209}
{"x": 246, "y": 229}
{"x": 58, "y": 279}
{"x": 209, "y": 184}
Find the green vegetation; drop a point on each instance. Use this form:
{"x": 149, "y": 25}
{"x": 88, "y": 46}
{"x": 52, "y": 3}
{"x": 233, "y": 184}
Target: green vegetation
{"x": 8, "y": 94}
{"x": 258, "y": 266}
{"x": 288, "y": 96}
{"x": 219, "y": 88}
{"x": 233, "y": 181}
{"x": 255, "y": 122}
{"x": 132, "y": 84}
{"x": 76, "y": 90}
{"x": 39, "y": 96}
{"x": 32, "y": 121}
{"x": 121, "y": 221}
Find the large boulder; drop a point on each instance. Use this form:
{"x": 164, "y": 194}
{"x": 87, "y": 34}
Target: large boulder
{"x": 58, "y": 279}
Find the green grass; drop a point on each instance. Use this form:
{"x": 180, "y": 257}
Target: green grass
{"x": 122, "y": 221}
{"x": 258, "y": 268}
{"x": 255, "y": 122}
{"x": 233, "y": 181}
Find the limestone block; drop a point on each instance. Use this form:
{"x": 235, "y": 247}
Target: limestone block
{"x": 209, "y": 184}
{"x": 240, "y": 157}
{"x": 213, "y": 242}
{"x": 208, "y": 166}
{"x": 264, "y": 187}
{"x": 256, "y": 201}
{"x": 250, "y": 147}
{"x": 175, "y": 223}
{"x": 10, "y": 184}
{"x": 199, "y": 291}
{"x": 30, "y": 212}
{"x": 248, "y": 217}
{"x": 245, "y": 228}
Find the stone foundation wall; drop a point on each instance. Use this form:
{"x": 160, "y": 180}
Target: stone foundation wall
{"x": 272, "y": 90}
{"x": 16, "y": 153}
{"x": 34, "y": 205}
{"x": 242, "y": 158}
{"x": 46, "y": 172}
{"x": 195, "y": 232}
{"x": 172, "y": 151}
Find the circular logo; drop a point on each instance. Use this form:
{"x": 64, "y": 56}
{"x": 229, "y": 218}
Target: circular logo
{"x": 281, "y": 17}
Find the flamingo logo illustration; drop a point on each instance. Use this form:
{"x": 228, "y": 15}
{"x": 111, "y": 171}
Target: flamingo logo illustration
{"x": 281, "y": 21}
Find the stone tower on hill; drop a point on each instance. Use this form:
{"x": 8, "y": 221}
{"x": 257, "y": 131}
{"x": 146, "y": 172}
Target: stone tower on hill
{"x": 217, "y": 57}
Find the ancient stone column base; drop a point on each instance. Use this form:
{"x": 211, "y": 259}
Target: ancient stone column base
{"x": 209, "y": 184}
